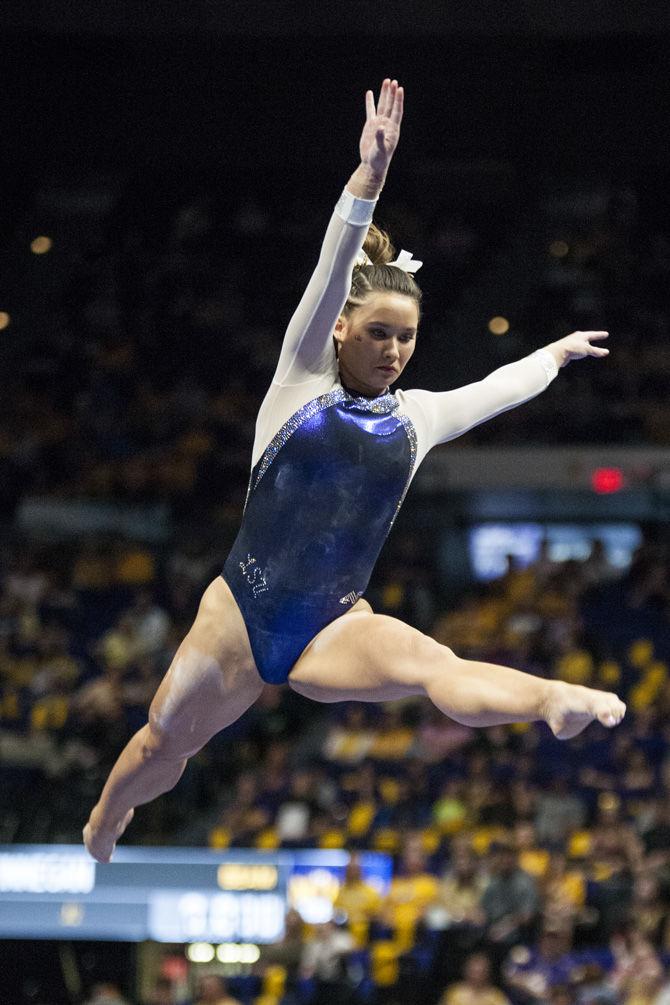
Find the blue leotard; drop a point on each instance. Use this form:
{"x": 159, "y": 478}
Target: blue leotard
{"x": 322, "y": 500}
{"x": 330, "y": 470}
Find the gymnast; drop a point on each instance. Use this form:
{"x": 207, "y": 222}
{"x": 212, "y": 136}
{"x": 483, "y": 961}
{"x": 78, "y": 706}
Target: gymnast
{"x": 334, "y": 453}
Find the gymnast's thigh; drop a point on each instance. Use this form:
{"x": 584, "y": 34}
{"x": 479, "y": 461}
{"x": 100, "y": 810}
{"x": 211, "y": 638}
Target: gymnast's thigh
{"x": 212, "y": 679}
{"x": 363, "y": 656}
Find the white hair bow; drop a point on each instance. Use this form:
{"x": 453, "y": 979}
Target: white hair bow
{"x": 404, "y": 261}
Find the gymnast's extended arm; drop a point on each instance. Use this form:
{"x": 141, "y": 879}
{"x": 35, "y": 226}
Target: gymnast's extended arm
{"x": 307, "y": 350}
{"x": 451, "y": 413}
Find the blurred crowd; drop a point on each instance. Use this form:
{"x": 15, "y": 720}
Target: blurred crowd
{"x": 607, "y": 267}
{"x": 86, "y": 635}
{"x": 526, "y": 870}
{"x": 534, "y": 867}
{"x": 143, "y": 341}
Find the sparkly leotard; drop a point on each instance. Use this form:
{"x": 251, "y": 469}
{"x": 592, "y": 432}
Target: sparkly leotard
{"x": 330, "y": 470}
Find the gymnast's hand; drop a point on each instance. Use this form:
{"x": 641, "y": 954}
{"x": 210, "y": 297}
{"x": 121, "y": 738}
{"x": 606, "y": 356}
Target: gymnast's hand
{"x": 577, "y": 346}
{"x": 382, "y": 127}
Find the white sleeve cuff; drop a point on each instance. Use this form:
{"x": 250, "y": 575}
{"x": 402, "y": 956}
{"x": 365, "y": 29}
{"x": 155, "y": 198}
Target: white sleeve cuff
{"x": 356, "y": 211}
{"x": 548, "y": 363}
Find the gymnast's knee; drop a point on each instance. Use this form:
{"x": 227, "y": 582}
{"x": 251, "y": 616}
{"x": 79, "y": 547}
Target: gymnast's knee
{"x": 432, "y": 656}
{"x": 412, "y": 654}
{"x": 162, "y": 741}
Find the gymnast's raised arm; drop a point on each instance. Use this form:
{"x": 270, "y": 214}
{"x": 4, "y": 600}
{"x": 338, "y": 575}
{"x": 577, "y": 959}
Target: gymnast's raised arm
{"x": 307, "y": 350}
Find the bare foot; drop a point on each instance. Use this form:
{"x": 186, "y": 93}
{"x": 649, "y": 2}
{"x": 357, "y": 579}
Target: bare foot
{"x": 101, "y": 843}
{"x": 571, "y": 708}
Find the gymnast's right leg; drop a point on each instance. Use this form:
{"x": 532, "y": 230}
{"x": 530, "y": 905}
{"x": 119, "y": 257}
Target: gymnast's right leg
{"x": 211, "y": 682}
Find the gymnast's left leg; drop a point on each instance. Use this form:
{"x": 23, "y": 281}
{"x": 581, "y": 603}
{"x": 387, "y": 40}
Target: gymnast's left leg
{"x": 371, "y": 657}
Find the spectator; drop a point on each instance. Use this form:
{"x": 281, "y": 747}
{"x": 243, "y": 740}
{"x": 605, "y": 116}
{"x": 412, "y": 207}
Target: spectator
{"x": 213, "y": 990}
{"x": 119, "y": 646}
{"x": 510, "y": 901}
{"x": 25, "y": 581}
{"x": 559, "y": 811}
{"x": 106, "y": 993}
{"x": 648, "y": 912}
{"x": 150, "y": 624}
{"x": 459, "y": 895}
{"x": 597, "y": 568}
{"x": 450, "y": 809}
{"x": 476, "y": 987}
{"x": 531, "y": 975}
{"x": 532, "y": 859}
{"x": 638, "y": 972}
{"x": 358, "y": 901}
{"x": 348, "y": 743}
{"x": 561, "y": 994}
{"x": 456, "y": 912}
{"x": 412, "y": 889}
{"x": 297, "y": 810}
{"x": 656, "y": 836}
{"x": 243, "y": 817}
{"x": 393, "y": 738}
{"x": 592, "y": 986}
{"x": 163, "y": 993}
{"x": 101, "y": 700}
{"x": 324, "y": 960}
{"x": 288, "y": 952}
{"x": 563, "y": 890}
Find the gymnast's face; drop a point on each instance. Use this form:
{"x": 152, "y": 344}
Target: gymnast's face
{"x": 376, "y": 341}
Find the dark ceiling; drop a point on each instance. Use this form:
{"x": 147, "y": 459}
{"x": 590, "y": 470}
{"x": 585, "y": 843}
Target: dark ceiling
{"x": 287, "y": 17}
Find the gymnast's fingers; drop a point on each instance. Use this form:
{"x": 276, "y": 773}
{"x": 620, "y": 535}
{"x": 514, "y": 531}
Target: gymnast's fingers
{"x": 386, "y": 98}
{"x": 396, "y": 112}
{"x": 593, "y": 349}
{"x": 369, "y": 105}
{"x": 380, "y": 103}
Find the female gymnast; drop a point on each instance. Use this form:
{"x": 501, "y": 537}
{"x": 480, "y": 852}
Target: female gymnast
{"x": 333, "y": 456}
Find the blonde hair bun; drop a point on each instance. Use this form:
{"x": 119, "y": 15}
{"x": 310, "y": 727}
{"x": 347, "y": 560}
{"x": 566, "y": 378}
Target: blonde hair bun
{"x": 375, "y": 277}
{"x": 377, "y": 246}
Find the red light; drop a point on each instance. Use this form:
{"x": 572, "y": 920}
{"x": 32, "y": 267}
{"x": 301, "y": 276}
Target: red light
{"x": 174, "y": 967}
{"x": 607, "y": 480}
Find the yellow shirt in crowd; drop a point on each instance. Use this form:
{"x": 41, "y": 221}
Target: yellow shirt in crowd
{"x": 461, "y": 994}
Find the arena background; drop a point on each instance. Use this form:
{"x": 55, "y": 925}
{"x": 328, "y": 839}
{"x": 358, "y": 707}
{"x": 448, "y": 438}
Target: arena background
{"x": 167, "y": 175}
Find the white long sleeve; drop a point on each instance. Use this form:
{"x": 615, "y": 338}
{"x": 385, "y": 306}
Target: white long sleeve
{"x": 307, "y": 351}
{"x": 443, "y": 415}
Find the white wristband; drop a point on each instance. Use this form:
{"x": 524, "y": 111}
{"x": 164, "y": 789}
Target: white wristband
{"x": 548, "y": 362}
{"x": 354, "y": 210}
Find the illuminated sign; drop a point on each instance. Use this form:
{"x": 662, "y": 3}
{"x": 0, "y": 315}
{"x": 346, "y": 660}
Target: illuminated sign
{"x": 236, "y": 876}
{"x": 169, "y": 894}
{"x": 218, "y": 917}
{"x": 46, "y": 873}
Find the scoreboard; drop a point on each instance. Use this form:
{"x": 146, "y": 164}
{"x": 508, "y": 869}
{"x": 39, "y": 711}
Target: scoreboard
{"x": 169, "y": 894}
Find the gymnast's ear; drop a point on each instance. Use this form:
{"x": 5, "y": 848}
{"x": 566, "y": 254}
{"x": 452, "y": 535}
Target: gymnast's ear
{"x": 339, "y": 329}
